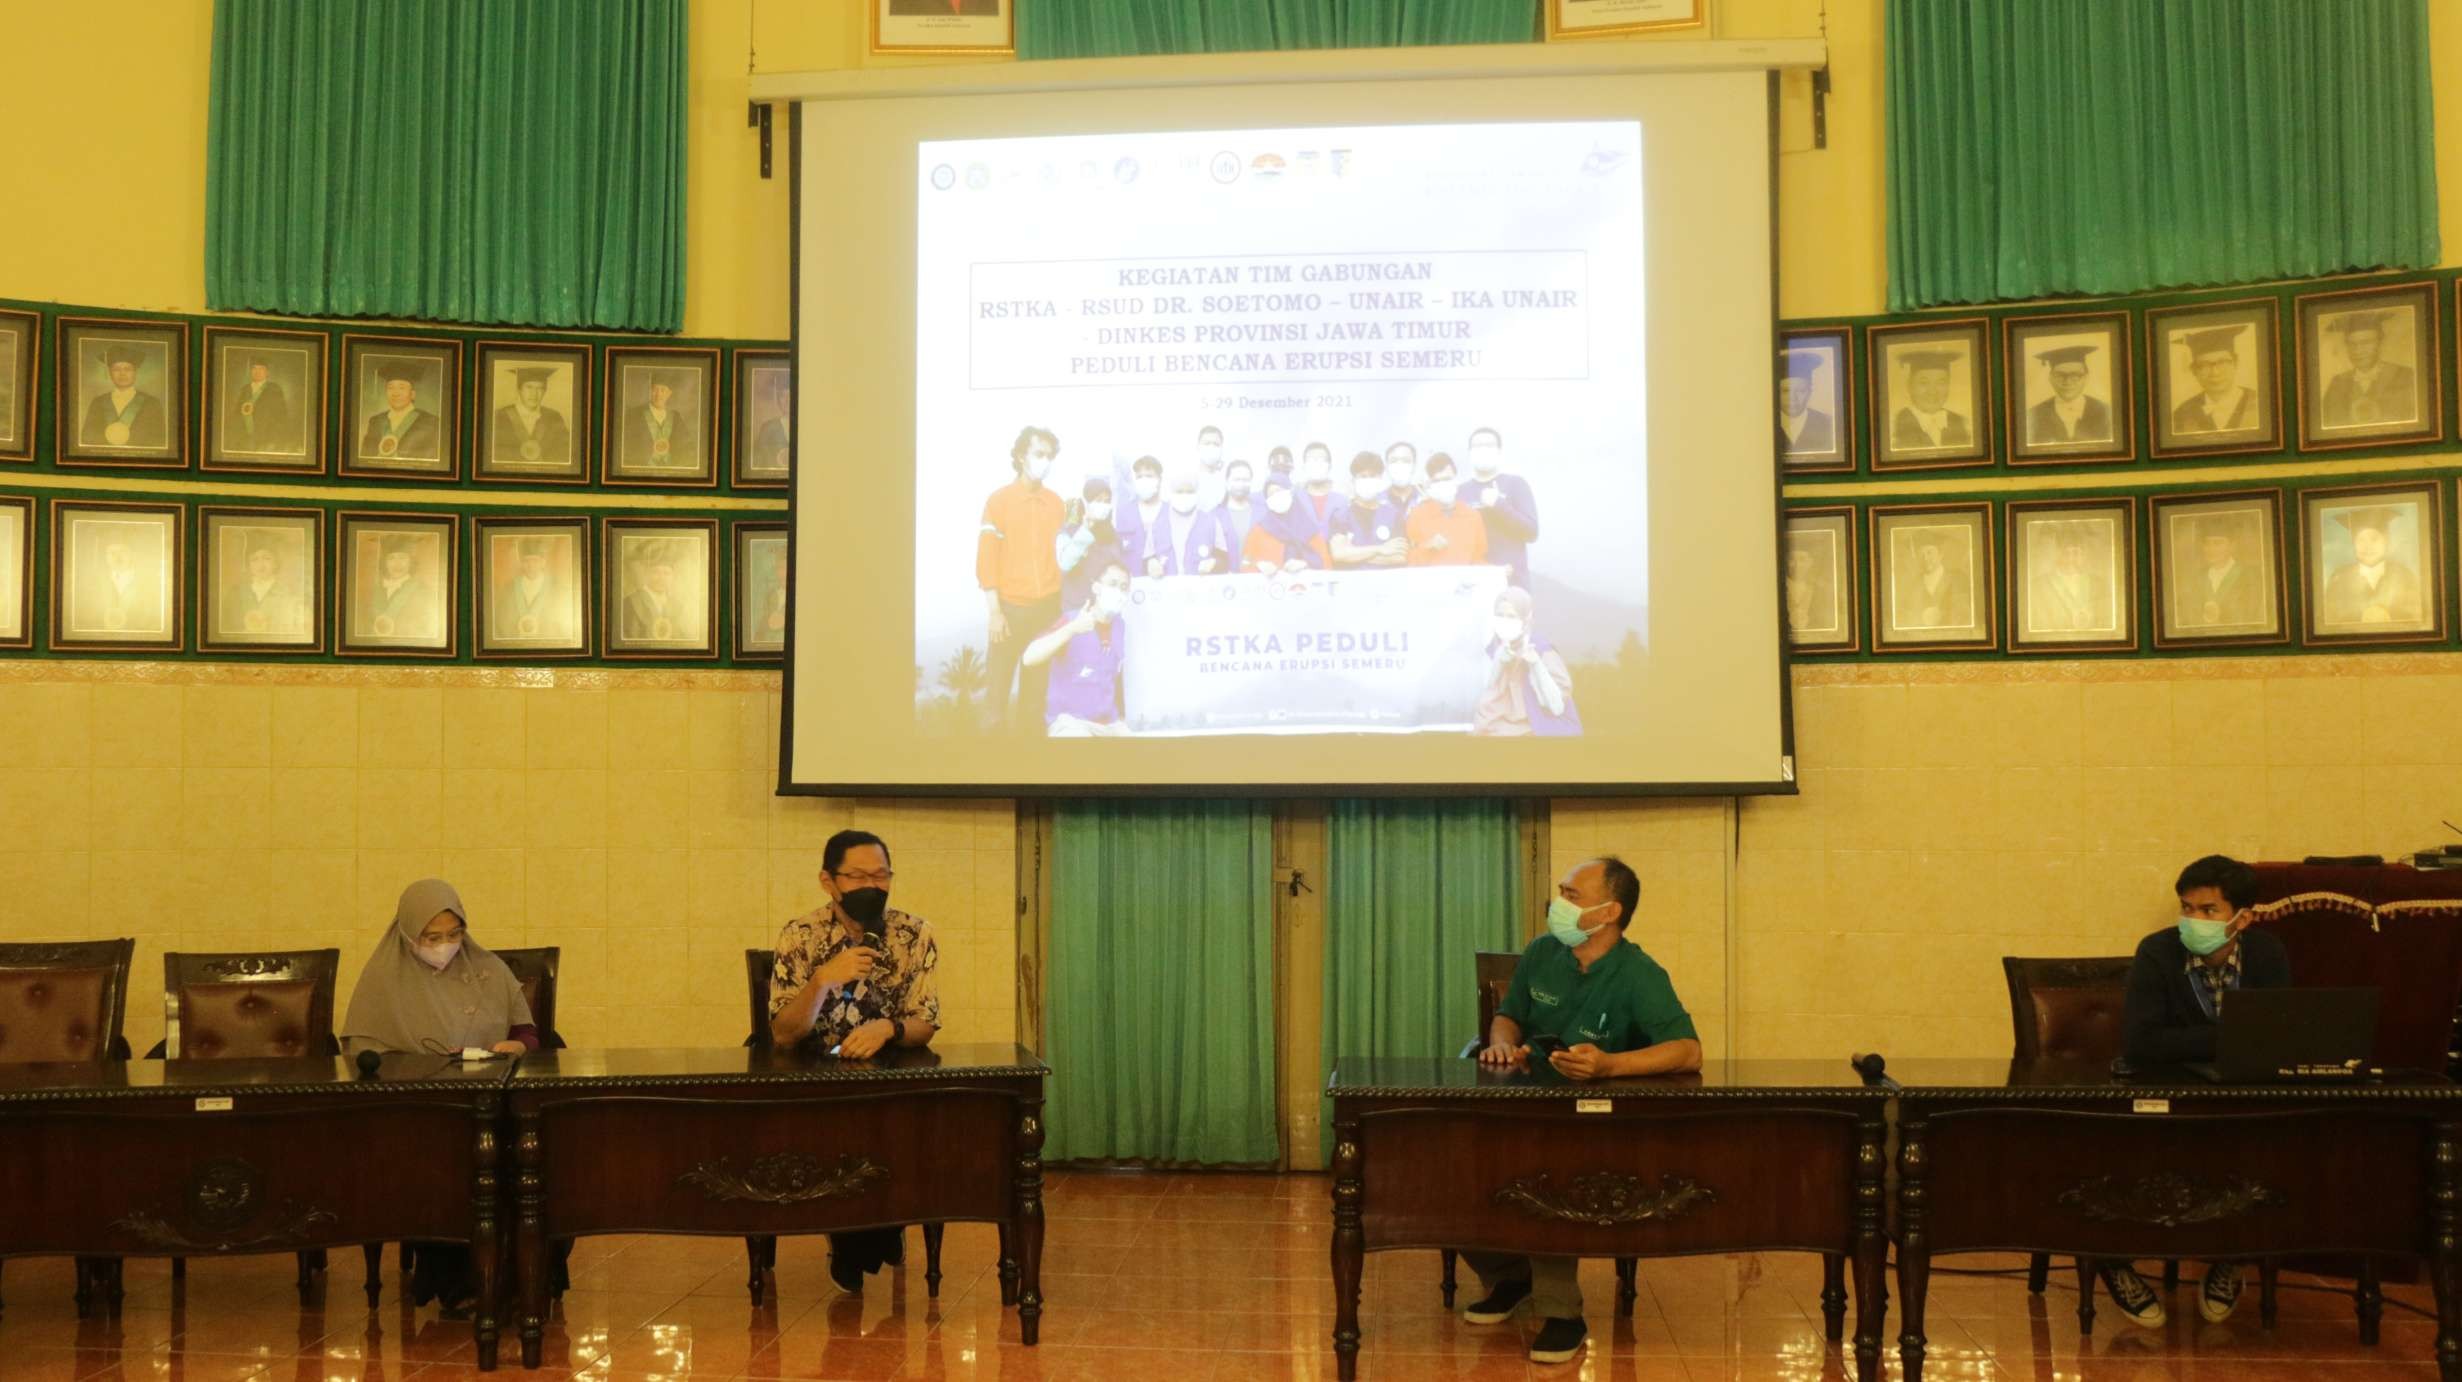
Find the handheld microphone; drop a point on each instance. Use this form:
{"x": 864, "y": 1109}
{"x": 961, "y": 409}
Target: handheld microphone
{"x": 368, "y": 1061}
{"x": 1873, "y": 1068}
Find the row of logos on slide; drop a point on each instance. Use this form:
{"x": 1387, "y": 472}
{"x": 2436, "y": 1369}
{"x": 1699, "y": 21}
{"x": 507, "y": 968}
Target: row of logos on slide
{"x": 1225, "y": 166}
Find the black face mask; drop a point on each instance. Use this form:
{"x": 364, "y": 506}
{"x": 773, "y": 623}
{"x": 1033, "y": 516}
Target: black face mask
{"x": 865, "y": 905}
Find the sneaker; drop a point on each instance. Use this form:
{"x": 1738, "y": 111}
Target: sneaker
{"x": 2221, "y": 1294}
{"x": 1498, "y": 1305}
{"x": 1559, "y": 1341}
{"x": 2135, "y": 1298}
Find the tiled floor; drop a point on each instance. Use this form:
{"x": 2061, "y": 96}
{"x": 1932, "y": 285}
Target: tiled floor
{"x": 1174, "y": 1278}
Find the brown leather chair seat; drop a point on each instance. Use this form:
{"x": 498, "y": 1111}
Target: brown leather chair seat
{"x": 61, "y": 1014}
{"x": 266, "y": 1019}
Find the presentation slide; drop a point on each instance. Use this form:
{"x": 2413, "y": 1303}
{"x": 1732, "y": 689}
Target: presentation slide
{"x": 1296, "y": 431}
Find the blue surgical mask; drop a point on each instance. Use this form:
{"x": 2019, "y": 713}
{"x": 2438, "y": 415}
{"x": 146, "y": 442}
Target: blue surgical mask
{"x": 2203, "y": 937}
{"x": 1564, "y": 922}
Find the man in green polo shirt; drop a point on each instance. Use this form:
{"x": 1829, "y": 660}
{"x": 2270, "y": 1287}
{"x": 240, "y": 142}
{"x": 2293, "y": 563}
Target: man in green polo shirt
{"x": 1617, "y": 1015}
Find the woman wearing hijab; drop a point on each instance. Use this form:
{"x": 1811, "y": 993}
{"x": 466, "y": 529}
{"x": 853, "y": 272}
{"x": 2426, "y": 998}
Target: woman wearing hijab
{"x": 1529, "y": 691}
{"x": 430, "y": 988}
{"x": 1286, "y": 536}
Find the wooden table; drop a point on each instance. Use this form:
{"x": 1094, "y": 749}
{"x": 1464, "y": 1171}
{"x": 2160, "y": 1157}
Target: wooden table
{"x": 755, "y": 1141}
{"x": 1748, "y": 1156}
{"x": 2067, "y": 1159}
{"x": 223, "y": 1157}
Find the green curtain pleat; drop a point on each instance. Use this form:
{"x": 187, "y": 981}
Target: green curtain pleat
{"x": 1415, "y": 890}
{"x": 1121, "y": 28}
{"x": 1160, "y": 1032}
{"x": 2037, "y": 148}
{"x": 501, "y": 161}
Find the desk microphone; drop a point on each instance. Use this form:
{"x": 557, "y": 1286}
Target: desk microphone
{"x": 368, "y": 1061}
{"x": 1873, "y": 1068}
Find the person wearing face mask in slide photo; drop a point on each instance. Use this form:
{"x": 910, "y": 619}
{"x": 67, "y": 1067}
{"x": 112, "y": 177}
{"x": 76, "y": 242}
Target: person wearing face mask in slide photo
{"x": 1286, "y": 537}
{"x": 1016, "y": 566}
{"x": 1147, "y": 534}
{"x": 1367, "y": 531}
{"x": 1505, "y": 501}
{"x": 1529, "y": 689}
{"x": 1086, "y": 653}
{"x": 1611, "y": 1012}
{"x": 430, "y": 988}
{"x": 852, "y": 978}
{"x": 1205, "y": 549}
{"x": 1316, "y": 496}
{"x": 1236, "y": 515}
{"x": 2178, "y": 982}
{"x": 1212, "y": 481}
{"x": 1087, "y": 540}
{"x": 1443, "y": 530}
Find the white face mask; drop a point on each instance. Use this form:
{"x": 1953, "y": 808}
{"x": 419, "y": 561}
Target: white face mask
{"x": 1320, "y": 471}
{"x": 1037, "y": 465}
{"x": 1210, "y": 454}
{"x": 1108, "y": 600}
{"x": 436, "y": 956}
{"x": 1443, "y": 491}
{"x": 1240, "y": 485}
{"x": 1399, "y": 473}
{"x": 1148, "y": 486}
{"x": 1098, "y": 510}
{"x": 1368, "y": 486}
{"x": 1508, "y": 630}
{"x": 1486, "y": 460}
{"x": 1278, "y": 502}
{"x": 1183, "y": 502}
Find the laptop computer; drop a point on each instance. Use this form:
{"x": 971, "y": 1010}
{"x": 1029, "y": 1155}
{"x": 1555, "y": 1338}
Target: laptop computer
{"x": 2270, "y": 1036}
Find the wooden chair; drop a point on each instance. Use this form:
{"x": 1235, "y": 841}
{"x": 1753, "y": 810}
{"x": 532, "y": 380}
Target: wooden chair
{"x": 762, "y": 1249}
{"x": 1495, "y": 974}
{"x": 68, "y": 1001}
{"x": 2069, "y": 1010}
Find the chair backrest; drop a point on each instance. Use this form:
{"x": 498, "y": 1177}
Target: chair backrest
{"x": 758, "y": 965}
{"x": 74, "y": 1032}
{"x": 534, "y": 969}
{"x": 1495, "y": 976}
{"x": 2066, "y": 1009}
{"x": 238, "y": 1005}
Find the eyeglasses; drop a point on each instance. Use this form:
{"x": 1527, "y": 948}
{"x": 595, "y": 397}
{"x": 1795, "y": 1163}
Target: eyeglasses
{"x": 878, "y": 880}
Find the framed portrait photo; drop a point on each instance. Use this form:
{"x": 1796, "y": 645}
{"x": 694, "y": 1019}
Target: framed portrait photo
{"x": 534, "y": 404}
{"x": 1608, "y": 18}
{"x": 2218, "y": 569}
{"x": 760, "y": 592}
{"x": 2215, "y": 378}
{"x": 2069, "y": 388}
{"x": 662, "y": 587}
{"x": 764, "y": 418}
{"x": 259, "y": 580}
{"x": 1818, "y": 581}
{"x": 662, "y": 402}
{"x": 264, "y": 400}
{"x": 1930, "y": 402}
{"x": 123, "y": 393}
{"x": 2369, "y": 374}
{"x": 2072, "y": 575}
{"x": 115, "y": 576}
{"x": 2372, "y": 564}
{"x": 393, "y": 575}
{"x": 532, "y": 576}
{"x": 944, "y": 26}
{"x": 20, "y": 343}
{"x": 402, "y": 407}
{"x": 1815, "y": 389}
{"x": 1932, "y": 573}
{"x": 16, "y": 571}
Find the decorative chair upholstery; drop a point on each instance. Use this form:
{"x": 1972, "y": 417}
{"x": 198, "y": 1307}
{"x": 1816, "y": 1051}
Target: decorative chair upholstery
{"x": 1495, "y": 975}
{"x": 68, "y": 1001}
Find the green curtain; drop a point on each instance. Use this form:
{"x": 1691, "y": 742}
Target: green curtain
{"x": 516, "y": 161}
{"x": 1160, "y": 995}
{"x": 1414, "y": 890}
{"x": 2046, "y": 147}
{"x": 1121, "y": 28}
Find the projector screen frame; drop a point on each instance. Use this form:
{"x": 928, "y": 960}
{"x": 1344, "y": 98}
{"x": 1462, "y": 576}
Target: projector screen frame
{"x": 1772, "y": 58}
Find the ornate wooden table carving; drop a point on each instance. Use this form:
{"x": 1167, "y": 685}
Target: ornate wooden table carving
{"x": 2067, "y": 1159}
{"x": 202, "y": 1158}
{"x": 1749, "y": 1156}
{"x": 742, "y": 1141}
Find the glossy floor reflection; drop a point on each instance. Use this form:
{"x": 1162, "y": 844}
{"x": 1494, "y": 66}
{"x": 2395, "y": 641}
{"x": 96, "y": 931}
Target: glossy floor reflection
{"x": 1162, "y": 1277}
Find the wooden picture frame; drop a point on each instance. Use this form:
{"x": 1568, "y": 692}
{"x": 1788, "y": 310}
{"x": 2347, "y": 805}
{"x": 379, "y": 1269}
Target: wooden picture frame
{"x": 2214, "y": 378}
{"x": 764, "y": 420}
{"x": 21, "y": 407}
{"x": 2397, "y": 397}
{"x": 1588, "y": 19}
{"x": 2070, "y": 381}
{"x": 2346, "y": 598}
{"x": 2072, "y": 576}
{"x": 982, "y": 27}
{"x": 645, "y": 615}
{"x": 2217, "y": 559}
{"x": 1931, "y": 394}
{"x": 644, "y": 440}
{"x": 1816, "y": 390}
{"x": 762, "y": 598}
{"x": 264, "y": 401}
{"x": 260, "y": 580}
{"x": 416, "y": 616}
{"x": 525, "y": 440}
{"x": 1817, "y": 565}
{"x": 117, "y": 577}
{"x": 148, "y": 429}
{"x": 17, "y": 514}
{"x": 530, "y": 579}
{"x": 401, "y": 435}
{"x": 1932, "y": 578}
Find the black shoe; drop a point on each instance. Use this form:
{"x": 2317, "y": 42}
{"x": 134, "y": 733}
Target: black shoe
{"x": 896, "y": 1245}
{"x": 1499, "y": 1304}
{"x": 847, "y": 1272}
{"x": 1559, "y": 1341}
